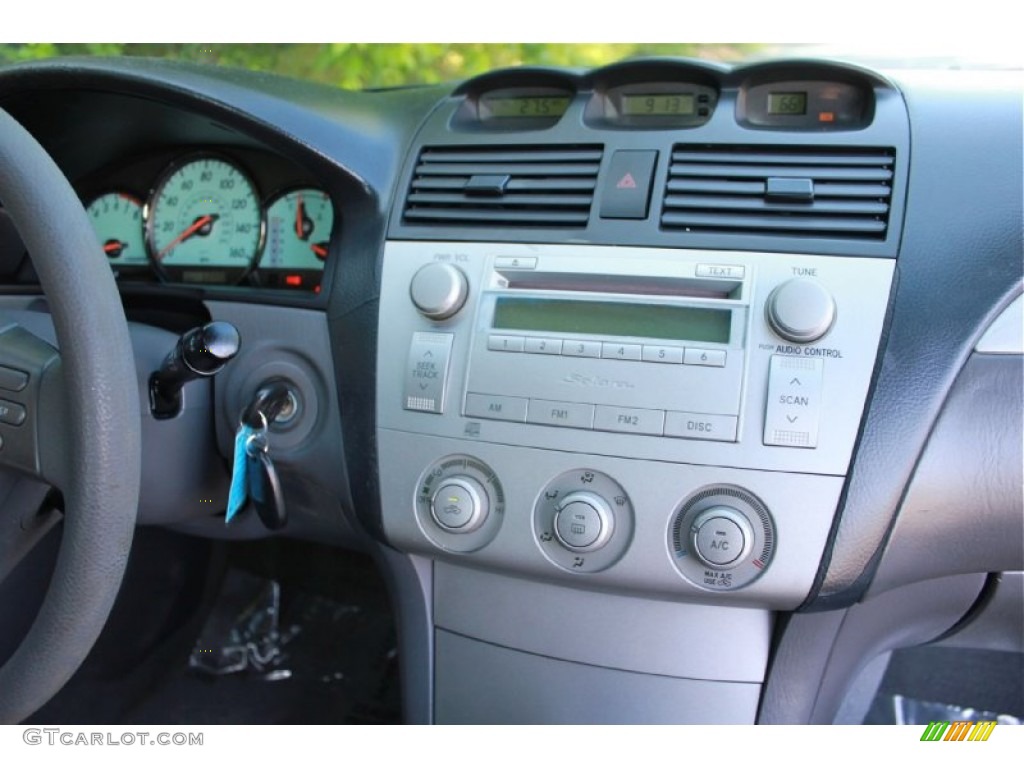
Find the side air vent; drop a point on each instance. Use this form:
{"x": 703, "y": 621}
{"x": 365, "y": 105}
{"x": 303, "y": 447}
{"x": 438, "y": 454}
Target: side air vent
{"x": 512, "y": 186}
{"x": 836, "y": 192}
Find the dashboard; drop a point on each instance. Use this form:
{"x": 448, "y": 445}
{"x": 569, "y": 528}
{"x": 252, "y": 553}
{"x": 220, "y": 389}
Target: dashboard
{"x": 625, "y": 376}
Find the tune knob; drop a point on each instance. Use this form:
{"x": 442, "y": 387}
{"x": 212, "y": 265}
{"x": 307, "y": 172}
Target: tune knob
{"x": 584, "y": 522}
{"x": 439, "y": 290}
{"x": 460, "y": 504}
{"x": 800, "y": 310}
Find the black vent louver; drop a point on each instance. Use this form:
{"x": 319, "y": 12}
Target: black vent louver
{"x": 511, "y": 186}
{"x": 834, "y": 192}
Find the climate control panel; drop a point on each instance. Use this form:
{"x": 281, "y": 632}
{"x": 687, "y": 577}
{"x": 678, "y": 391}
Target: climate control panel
{"x": 640, "y": 419}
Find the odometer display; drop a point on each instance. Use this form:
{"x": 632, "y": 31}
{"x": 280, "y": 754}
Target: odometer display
{"x": 204, "y": 213}
{"x": 658, "y": 104}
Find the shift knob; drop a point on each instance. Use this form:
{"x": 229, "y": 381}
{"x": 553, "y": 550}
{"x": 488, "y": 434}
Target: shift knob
{"x": 199, "y": 353}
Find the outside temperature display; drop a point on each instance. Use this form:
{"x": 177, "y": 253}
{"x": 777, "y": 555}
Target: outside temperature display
{"x": 658, "y": 104}
{"x": 787, "y": 103}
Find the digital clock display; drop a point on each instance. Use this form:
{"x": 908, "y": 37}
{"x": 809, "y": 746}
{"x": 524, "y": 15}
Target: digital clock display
{"x": 512, "y": 107}
{"x": 658, "y": 104}
{"x": 787, "y": 103}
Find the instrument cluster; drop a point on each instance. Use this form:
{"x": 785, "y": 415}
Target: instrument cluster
{"x": 208, "y": 219}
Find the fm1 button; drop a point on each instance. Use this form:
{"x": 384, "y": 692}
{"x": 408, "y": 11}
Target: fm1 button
{"x": 584, "y": 522}
{"x": 721, "y": 537}
{"x": 459, "y": 505}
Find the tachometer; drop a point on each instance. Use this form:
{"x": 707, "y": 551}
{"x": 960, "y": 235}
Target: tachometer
{"x": 117, "y": 219}
{"x": 204, "y": 222}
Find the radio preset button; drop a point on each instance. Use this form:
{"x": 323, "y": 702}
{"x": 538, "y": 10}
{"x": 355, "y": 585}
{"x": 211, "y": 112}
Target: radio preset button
{"x": 497, "y": 343}
{"x": 656, "y": 354}
{"x": 714, "y": 358}
{"x": 426, "y": 373}
{"x": 621, "y": 351}
{"x": 572, "y": 348}
{"x": 544, "y": 346}
{"x": 701, "y": 426}
{"x": 496, "y": 407}
{"x": 638, "y": 421}
{"x": 559, "y": 414}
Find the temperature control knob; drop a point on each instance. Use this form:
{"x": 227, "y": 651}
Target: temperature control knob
{"x": 721, "y": 537}
{"x": 439, "y": 290}
{"x": 459, "y": 504}
{"x": 800, "y": 310}
{"x": 584, "y": 522}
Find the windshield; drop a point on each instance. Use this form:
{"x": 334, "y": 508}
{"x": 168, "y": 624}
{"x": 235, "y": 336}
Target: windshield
{"x": 388, "y": 65}
{"x": 361, "y": 66}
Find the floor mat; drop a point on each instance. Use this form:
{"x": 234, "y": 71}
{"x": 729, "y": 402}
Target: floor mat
{"x": 271, "y": 653}
{"x": 938, "y": 683}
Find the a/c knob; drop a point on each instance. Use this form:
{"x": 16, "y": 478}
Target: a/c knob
{"x": 438, "y": 290}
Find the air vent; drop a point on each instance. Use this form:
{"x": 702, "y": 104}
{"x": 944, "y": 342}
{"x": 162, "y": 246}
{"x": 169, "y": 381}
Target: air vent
{"x": 835, "y": 192}
{"x": 512, "y": 186}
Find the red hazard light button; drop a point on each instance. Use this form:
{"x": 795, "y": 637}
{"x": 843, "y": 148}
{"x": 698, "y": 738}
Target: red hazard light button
{"x": 626, "y": 188}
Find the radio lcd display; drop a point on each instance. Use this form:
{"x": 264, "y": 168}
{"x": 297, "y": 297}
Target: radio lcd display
{"x": 610, "y": 318}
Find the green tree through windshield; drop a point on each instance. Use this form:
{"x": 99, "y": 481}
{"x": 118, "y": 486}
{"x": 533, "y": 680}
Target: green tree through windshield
{"x": 383, "y": 65}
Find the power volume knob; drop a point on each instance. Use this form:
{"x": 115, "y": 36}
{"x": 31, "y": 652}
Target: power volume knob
{"x": 438, "y": 290}
{"x": 800, "y": 310}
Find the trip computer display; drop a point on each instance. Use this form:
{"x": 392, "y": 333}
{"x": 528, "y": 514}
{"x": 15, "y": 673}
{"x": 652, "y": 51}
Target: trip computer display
{"x": 513, "y": 107}
{"x": 520, "y": 107}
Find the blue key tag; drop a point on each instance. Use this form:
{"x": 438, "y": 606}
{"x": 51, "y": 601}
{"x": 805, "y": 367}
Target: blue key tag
{"x": 239, "y": 472}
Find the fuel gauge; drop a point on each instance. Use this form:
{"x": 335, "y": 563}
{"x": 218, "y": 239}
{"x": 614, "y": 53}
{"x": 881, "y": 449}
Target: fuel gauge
{"x": 117, "y": 219}
{"x": 298, "y": 230}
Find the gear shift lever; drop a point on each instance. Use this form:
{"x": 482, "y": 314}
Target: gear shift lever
{"x": 200, "y": 353}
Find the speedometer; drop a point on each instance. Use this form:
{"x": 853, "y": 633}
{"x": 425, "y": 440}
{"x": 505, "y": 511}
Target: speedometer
{"x": 204, "y": 222}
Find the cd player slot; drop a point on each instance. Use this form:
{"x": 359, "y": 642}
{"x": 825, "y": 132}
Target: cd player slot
{"x": 643, "y": 285}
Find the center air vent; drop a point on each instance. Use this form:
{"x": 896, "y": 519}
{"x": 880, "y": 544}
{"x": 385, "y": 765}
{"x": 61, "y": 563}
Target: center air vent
{"x": 512, "y": 186}
{"x": 837, "y": 192}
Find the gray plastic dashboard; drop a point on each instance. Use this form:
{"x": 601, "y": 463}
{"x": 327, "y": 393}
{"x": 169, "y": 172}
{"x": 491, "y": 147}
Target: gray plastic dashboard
{"x": 909, "y": 308}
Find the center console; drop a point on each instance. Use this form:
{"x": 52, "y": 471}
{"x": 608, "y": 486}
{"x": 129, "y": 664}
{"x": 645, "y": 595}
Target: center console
{"x": 620, "y": 382}
{"x": 662, "y": 424}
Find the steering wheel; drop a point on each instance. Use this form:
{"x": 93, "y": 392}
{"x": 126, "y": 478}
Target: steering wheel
{"x": 69, "y": 418}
